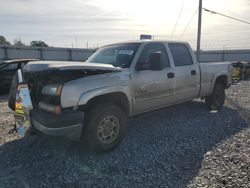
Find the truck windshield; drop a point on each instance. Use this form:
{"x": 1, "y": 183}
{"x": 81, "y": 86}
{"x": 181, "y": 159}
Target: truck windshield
{"x": 118, "y": 55}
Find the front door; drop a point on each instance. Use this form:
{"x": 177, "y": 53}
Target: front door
{"x": 153, "y": 89}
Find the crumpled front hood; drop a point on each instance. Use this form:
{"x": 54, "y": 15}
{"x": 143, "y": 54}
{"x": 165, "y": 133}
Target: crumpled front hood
{"x": 39, "y": 66}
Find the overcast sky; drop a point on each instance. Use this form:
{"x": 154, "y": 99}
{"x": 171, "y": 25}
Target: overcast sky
{"x": 99, "y": 22}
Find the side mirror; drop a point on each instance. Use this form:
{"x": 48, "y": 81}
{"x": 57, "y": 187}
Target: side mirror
{"x": 155, "y": 61}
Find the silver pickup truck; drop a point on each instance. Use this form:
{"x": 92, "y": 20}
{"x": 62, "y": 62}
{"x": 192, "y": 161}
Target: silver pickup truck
{"x": 92, "y": 100}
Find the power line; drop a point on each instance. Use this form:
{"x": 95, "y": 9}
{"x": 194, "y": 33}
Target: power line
{"x": 178, "y": 18}
{"x": 230, "y": 17}
{"x": 189, "y": 22}
{"x": 208, "y": 31}
{"x": 219, "y": 33}
{"x": 224, "y": 27}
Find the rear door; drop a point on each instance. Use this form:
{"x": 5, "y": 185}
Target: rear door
{"x": 153, "y": 89}
{"x": 187, "y": 72}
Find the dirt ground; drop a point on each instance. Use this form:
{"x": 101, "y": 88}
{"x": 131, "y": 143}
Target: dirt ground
{"x": 180, "y": 146}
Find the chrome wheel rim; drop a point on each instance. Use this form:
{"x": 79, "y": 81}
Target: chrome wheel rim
{"x": 108, "y": 129}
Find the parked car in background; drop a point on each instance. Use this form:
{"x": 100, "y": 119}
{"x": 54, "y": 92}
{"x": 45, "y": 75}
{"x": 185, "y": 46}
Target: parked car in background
{"x": 8, "y": 69}
{"x": 241, "y": 71}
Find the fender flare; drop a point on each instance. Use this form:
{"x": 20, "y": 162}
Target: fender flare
{"x": 215, "y": 77}
{"x": 87, "y": 96}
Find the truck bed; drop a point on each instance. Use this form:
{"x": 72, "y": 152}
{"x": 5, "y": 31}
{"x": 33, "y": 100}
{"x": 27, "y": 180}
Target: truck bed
{"x": 209, "y": 72}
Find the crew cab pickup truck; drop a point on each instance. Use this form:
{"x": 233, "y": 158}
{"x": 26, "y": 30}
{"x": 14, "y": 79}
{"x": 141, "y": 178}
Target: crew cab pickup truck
{"x": 92, "y": 100}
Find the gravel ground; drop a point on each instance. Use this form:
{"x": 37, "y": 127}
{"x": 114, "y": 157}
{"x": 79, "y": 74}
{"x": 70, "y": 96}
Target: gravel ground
{"x": 180, "y": 146}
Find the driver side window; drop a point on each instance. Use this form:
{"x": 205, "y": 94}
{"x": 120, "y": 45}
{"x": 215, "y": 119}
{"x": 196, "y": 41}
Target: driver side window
{"x": 151, "y": 48}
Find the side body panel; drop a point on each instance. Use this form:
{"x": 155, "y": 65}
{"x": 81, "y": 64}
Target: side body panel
{"x": 80, "y": 91}
{"x": 187, "y": 78}
{"x": 210, "y": 72}
{"x": 151, "y": 89}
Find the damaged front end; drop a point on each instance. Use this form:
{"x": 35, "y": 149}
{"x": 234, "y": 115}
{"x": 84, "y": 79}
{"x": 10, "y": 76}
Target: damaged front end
{"x": 38, "y": 93}
{"x": 22, "y": 108}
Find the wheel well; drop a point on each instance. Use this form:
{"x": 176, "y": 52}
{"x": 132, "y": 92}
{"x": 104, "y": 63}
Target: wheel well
{"x": 117, "y": 98}
{"x": 223, "y": 80}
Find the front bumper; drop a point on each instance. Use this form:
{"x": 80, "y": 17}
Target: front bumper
{"x": 68, "y": 124}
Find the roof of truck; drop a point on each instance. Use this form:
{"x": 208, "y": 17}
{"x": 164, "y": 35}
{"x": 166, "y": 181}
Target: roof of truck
{"x": 147, "y": 41}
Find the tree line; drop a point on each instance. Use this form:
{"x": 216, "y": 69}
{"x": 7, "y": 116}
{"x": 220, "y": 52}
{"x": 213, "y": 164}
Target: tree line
{"x": 18, "y": 42}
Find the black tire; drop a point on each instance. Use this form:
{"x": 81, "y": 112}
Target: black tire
{"x": 217, "y": 99}
{"x": 101, "y": 118}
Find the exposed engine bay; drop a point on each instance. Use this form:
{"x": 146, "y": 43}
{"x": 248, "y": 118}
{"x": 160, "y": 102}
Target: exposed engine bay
{"x": 37, "y": 80}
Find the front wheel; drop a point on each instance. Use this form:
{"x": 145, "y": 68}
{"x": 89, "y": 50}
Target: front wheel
{"x": 216, "y": 100}
{"x": 105, "y": 127}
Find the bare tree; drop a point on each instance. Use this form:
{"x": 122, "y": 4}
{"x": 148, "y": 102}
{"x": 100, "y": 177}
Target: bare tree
{"x": 18, "y": 42}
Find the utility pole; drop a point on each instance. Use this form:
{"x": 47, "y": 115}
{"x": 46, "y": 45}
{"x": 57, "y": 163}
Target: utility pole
{"x": 76, "y": 40}
{"x": 199, "y": 32}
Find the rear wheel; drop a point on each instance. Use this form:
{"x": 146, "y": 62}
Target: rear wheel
{"x": 216, "y": 100}
{"x": 105, "y": 127}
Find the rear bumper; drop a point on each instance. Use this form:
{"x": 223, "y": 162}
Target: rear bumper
{"x": 68, "y": 124}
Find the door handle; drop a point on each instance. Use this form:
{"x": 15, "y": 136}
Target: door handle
{"x": 193, "y": 72}
{"x": 171, "y": 75}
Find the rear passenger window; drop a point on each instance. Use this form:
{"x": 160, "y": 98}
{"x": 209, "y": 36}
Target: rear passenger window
{"x": 181, "y": 54}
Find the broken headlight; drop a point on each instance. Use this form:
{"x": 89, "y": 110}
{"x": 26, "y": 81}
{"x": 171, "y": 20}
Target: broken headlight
{"x": 54, "y": 89}
{"x": 51, "y": 98}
